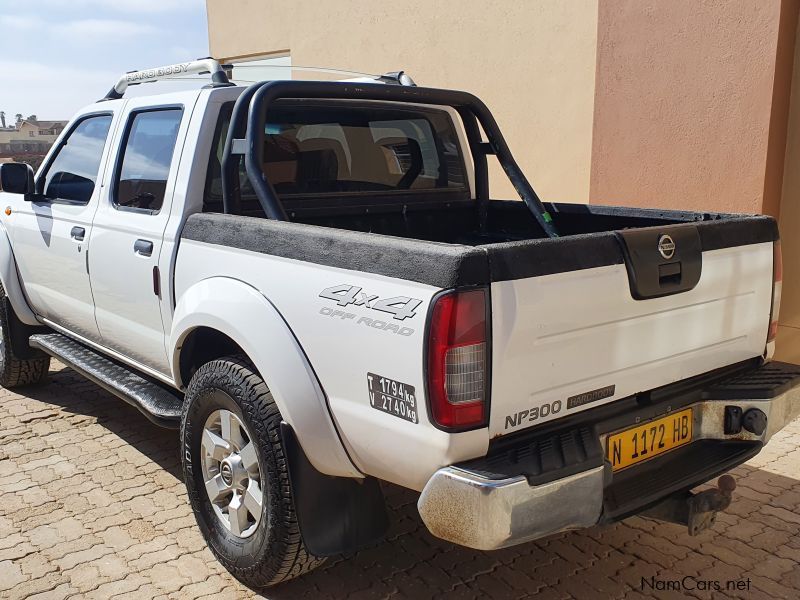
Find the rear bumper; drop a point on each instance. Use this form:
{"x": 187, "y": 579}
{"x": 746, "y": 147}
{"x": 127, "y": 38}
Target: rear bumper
{"x": 501, "y": 501}
{"x": 467, "y": 509}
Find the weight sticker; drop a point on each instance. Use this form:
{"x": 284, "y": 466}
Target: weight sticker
{"x": 392, "y": 397}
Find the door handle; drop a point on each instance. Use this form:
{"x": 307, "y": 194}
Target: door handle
{"x": 143, "y": 248}
{"x": 77, "y": 233}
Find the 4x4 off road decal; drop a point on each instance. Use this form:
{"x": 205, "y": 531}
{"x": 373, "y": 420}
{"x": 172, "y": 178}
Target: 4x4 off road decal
{"x": 400, "y": 307}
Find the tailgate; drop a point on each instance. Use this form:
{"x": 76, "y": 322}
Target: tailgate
{"x": 578, "y": 322}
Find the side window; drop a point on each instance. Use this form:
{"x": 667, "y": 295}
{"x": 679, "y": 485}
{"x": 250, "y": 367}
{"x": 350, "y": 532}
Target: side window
{"x": 73, "y": 173}
{"x": 147, "y": 150}
{"x": 212, "y": 197}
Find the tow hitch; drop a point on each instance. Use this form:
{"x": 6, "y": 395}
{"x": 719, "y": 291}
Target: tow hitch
{"x": 696, "y": 511}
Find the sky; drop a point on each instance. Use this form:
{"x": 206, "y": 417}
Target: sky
{"x": 59, "y": 55}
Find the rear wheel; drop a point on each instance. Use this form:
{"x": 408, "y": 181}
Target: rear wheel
{"x": 236, "y": 475}
{"x": 15, "y": 371}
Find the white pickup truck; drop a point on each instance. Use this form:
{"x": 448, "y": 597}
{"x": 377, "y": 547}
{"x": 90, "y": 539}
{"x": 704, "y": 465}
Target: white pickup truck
{"x": 312, "y": 281}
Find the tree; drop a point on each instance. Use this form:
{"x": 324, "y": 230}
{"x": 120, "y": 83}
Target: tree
{"x": 18, "y": 117}
{"x": 3, "y": 118}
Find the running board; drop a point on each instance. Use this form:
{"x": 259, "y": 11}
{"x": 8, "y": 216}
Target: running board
{"x": 157, "y": 402}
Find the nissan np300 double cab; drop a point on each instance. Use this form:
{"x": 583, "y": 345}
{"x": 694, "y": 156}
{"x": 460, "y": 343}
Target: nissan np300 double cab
{"x": 312, "y": 280}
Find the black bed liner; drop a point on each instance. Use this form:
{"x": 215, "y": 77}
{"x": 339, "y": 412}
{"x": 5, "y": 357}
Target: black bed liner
{"x": 449, "y": 265}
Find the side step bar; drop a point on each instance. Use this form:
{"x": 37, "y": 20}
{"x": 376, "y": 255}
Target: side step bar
{"x": 157, "y": 402}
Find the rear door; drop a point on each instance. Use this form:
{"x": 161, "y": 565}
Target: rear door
{"x": 51, "y": 235}
{"x": 129, "y": 229}
{"x": 576, "y": 337}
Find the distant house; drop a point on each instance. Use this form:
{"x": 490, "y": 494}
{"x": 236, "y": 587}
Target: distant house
{"x": 53, "y": 128}
{"x": 29, "y": 140}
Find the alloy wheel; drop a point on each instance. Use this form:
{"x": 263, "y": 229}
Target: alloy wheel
{"x": 231, "y": 473}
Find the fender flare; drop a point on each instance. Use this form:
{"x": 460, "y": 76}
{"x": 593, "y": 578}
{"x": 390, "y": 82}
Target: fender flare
{"x": 11, "y": 284}
{"x": 245, "y": 315}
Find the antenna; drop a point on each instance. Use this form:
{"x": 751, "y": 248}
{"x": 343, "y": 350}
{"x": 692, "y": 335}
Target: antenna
{"x": 202, "y": 66}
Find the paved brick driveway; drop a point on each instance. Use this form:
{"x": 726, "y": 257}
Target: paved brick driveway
{"x": 92, "y": 505}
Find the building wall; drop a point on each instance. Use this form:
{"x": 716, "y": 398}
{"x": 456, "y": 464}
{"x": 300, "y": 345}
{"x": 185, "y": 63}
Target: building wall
{"x": 788, "y": 344}
{"x": 23, "y": 135}
{"x": 533, "y": 63}
{"x": 28, "y": 129}
{"x": 683, "y": 104}
{"x": 679, "y": 104}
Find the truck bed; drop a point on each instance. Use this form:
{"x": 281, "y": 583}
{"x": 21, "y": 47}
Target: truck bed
{"x": 437, "y": 218}
{"x": 569, "y": 314}
{"x": 506, "y": 220}
{"x": 441, "y": 243}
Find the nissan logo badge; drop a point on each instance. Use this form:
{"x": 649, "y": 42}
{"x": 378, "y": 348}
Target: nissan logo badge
{"x": 666, "y": 247}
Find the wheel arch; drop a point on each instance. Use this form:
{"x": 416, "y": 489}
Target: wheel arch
{"x": 201, "y": 345}
{"x": 11, "y": 283}
{"x": 233, "y": 315}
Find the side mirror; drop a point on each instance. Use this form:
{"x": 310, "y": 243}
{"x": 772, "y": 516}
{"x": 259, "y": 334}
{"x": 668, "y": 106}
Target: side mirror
{"x": 16, "y": 178}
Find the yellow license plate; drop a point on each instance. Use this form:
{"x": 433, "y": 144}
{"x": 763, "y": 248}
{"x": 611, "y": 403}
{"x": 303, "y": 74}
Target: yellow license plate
{"x": 652, "y": 439}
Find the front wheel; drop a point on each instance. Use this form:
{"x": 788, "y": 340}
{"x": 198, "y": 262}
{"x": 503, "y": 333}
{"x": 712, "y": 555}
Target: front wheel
{"x": 15, "y": 371}
{"x": 236, "y": 475}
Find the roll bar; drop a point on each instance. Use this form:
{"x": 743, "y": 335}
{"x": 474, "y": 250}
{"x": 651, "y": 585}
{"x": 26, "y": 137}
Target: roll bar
{"x": 260, "y": 96}
{"x": 200, "y": 66}
{"x": 231, "y": 192}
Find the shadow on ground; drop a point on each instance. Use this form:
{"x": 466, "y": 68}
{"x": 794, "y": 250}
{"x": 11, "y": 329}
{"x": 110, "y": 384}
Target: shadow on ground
{"x": 76, "y": 395}
{"x": 611, "y": 561}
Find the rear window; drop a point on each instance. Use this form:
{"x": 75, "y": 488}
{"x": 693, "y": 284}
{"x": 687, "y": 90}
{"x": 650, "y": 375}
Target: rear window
{"x": 345, "y": 150}
{"x": 315, "y": 150}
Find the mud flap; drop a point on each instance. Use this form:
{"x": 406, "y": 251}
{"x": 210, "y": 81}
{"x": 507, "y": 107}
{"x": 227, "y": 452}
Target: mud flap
{"x": 18, "y": 334}
{"x": 337, "y": 515}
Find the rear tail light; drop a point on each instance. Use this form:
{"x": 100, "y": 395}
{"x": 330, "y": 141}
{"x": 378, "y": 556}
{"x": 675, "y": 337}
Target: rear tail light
{"x": 777, "y": 284}
{"x": 458, "y": 360}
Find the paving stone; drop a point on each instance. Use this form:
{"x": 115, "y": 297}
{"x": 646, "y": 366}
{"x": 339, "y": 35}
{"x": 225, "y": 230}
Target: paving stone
{"x": 10, "y": 575}
{"x": 92, "y": 508}
{"x": 84, "y": 577}
{"x": 60, "y": 592}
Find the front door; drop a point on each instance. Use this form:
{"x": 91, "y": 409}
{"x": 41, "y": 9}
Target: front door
{"x": 51, "y": 235}
{"x": 128, "y": 233}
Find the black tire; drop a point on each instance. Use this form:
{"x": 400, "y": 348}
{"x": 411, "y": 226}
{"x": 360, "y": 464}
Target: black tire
{"x": 274, "y": 552}
{"x": 14, "y": 371}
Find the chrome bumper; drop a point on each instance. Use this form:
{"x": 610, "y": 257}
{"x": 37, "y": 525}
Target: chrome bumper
{"x": 465, "y": 508}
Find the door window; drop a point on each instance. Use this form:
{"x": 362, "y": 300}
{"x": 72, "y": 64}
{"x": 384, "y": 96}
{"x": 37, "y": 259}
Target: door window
{"x": 148, "y": 146}
{"x": 73, "y": 172}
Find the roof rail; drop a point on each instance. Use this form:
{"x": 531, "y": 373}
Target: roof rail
{"x": 201, "y": 66}
{"x": 397, "y": 78}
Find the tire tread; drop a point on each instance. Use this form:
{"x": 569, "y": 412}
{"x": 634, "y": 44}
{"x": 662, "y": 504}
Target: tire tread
{"x": 289, "y": 558}
{"x": 17, "y": 372}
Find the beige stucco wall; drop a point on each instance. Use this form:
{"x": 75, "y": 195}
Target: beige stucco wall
{"x": 788, "y": 344}
{"x": 683, "y": 104}
{"x": 533, "y": 63}
{"x": 678, "y": 104}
